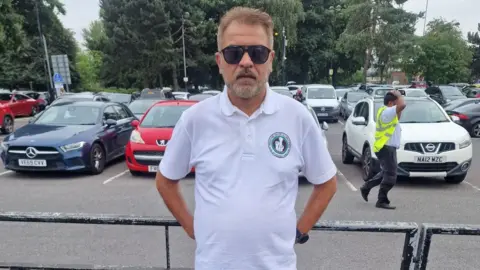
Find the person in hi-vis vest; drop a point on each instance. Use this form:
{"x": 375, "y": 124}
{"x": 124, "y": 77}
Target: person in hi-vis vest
{"x": 387, "y": 141}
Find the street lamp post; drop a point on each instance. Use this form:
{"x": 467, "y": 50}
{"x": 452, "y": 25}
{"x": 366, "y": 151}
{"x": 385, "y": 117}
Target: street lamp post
{"x": 284, "y": 56}
{"x": 185, "y": 77}
{"x": 43, "y": 42}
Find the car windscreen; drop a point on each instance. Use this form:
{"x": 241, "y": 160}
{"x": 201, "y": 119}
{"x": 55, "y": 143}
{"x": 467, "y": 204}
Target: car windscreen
{"x": 120, "y": 98}
{"x": 142, "y": 105}
{"x": 321, "y": 93}
{"x": 69, "y": 115}
{"x": 415, "y": 93}
{"x": 419, "y": 111}
{"x": 152, "y": 93}
{"x": 163, "y": 116}
{"x": 5, "y": 97}
{"x": 451, "y": 91}
{"x": 381, "y": 92}
{"x": 355, "y": 97}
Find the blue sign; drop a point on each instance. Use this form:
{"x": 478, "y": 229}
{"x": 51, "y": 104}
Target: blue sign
{"x": 57, "y": 78}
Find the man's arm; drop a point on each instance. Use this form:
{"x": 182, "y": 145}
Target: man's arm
{"x": 319, "y": 170}
{"x": 174, "y": 166}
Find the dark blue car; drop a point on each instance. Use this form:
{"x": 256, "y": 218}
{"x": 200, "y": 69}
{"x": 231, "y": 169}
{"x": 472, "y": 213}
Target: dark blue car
{"x": 70, "y": 136}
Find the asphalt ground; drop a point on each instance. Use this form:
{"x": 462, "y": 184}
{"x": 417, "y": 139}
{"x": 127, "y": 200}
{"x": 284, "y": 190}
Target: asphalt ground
{"x": 117, "y": 192}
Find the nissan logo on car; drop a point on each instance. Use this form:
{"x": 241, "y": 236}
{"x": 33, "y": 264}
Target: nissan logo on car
{"x": 430, "y": 147}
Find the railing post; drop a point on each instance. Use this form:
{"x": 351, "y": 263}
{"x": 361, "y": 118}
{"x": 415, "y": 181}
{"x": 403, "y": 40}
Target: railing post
{"x": 167, "y": 245}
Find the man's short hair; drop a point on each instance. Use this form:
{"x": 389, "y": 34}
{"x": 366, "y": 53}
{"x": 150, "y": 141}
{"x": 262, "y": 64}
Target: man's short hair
{"x": 247, "y": 16}
{"x": 389, "y": 97}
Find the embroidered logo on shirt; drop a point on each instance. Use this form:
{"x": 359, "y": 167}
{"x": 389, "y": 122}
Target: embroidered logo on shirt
{"x": 279, "y": 144}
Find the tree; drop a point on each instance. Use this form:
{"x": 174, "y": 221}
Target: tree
{"x": 94, "y": 36}
{"x": 442, "y": 55}
{"x": 474, "y": 39}
{"x": 375, "y": 27}
{"x": 88, "y": 66}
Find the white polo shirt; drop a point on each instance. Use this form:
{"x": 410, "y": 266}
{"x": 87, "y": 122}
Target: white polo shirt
{"x": 246, "y": 180}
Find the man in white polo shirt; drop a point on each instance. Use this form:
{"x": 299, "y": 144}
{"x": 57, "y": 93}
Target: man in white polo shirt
{"x": 248, "y": 145}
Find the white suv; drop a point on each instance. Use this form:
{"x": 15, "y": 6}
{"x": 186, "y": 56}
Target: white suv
{"x": 432, "y": 145}
{"x": 323, "y": 99}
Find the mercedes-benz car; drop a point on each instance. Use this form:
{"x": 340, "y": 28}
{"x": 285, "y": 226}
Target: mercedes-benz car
{"x": 70, "y": 136}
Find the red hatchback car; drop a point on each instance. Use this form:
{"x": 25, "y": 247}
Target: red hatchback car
{"x": 150, "y": 137}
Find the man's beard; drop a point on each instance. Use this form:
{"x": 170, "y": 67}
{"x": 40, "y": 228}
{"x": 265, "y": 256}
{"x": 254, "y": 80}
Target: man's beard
{"x": 246, "y": 91}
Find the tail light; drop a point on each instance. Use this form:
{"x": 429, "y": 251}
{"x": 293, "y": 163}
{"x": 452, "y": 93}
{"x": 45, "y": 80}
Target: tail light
{"x": 461, "y": 116}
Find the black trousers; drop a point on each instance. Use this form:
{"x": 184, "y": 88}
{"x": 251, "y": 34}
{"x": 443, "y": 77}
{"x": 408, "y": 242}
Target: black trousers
{"x": 387, "y": 177}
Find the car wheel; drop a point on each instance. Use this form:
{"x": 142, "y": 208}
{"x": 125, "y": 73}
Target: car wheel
{"x": 457, "y": 179}
{"x": 367, "y": 166}
{"x": 34, "y": 111}
{"x": 475, "y": 130}
{"x": 135, "y": 173}
{"x": 97, "y": 159}
{"x": 8, "y": 125}
{"x": 347, "y": 157}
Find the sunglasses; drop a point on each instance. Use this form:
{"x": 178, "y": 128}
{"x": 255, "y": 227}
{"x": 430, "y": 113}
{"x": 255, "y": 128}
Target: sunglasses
{"x": 258, "y": 54}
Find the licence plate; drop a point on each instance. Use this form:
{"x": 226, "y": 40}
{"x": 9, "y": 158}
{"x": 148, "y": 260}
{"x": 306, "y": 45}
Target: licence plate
{"x": 32, "y": 162}
{"x": 429, "y": 159}
{"x": 152, "y": 168}
{"x": 322, "y": 114}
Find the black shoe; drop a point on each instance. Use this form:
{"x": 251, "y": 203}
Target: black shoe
{"x": 364, "y": 191}
{"x": 385, "y": 206}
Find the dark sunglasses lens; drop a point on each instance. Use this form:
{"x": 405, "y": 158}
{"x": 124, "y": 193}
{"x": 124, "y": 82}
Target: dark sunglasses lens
{"x": 233, "y": 55}
{"x": 258, "y": 54}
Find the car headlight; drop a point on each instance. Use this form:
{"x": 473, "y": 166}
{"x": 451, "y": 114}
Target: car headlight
{"x": 465, "y": 143}
{"x": 136, "y": 137}
{"x": 72, "y": 146}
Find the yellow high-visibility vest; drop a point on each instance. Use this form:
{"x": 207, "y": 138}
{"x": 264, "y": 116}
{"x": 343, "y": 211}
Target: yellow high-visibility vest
{"x": 383, "y": 130}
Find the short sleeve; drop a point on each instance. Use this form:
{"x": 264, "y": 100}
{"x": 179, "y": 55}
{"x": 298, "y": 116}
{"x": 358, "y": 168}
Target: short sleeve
{"x": 175, "y": 164}
{"x": 318, "y": 164}
{"x": 389, "y": 114}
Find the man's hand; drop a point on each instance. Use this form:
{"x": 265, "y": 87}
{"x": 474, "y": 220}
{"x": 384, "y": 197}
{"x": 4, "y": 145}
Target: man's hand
{"x": 396, "y": 93}
{"x": 173, "y": 199}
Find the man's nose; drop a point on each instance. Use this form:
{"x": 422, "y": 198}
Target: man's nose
{"x": 246, "y": 62}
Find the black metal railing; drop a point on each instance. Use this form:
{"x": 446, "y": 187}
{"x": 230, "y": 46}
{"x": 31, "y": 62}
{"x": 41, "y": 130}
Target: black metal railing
{"x": 427, "y": 230}
{"x": 410, "y": 229}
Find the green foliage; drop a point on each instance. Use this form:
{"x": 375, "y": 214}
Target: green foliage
{"x": 442, "y": 55}
{"x": 474, "y": 40}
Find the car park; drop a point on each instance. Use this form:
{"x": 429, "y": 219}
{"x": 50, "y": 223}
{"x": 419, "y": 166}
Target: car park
{"x": 432, "y": 145}
{"x": 468, "y": 116}
{"x": 150, "y": 136}
{"x": 70, "y": 136}
{"x": 443, "y": 94}
{"x": 348, "y": 101}
{"x": 323, "y": 99}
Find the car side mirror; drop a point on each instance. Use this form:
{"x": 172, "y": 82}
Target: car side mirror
{"x": 359, "y": 121}
{"x": 135, "y": 123}
{"x": 324, "y": 126}
{"x": 110, "y": 122}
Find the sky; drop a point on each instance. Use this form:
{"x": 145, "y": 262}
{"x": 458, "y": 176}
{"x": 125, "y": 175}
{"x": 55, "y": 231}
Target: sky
{"x": 467, "y": 12}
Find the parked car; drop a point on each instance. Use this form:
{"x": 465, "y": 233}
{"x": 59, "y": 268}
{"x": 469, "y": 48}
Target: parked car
{"x": 282, "y": 90}
{"x": 150, "y": 136}
{"x": 140, "y": 106}
{"x": 7, "y": 121}
{"x": 118, "y": 97}
{"x": 70, "y": 136}
{"x": 181, "y": 95}
{"x": 85, "y": 96}
{"x": 444, "y": 94}
{"x": 452, "y": 105}
{"x": 211, "y": 92}
{"x": 19, "y": 104}
{"x": 413, "y": 92}
{"x": 348, "y": 102}
{"x": 41, "y": 97}
{"x": 468, "y": 116}
{"x": 432, "y": 145}
{"x": 200, "y": 97}
{"x": 323, "y": 99}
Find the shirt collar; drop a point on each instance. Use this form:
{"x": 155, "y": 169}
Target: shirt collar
{"x": 268, "y": 106}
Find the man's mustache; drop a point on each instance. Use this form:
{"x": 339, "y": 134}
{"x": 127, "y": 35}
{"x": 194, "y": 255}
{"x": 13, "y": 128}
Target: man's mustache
{"x": 246, "y": 74}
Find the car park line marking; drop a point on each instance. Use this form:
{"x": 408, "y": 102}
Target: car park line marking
{"x": 114, "y": 177}
{"x": 348, "y": 183}
{"x": 472, "y": 185}
{"x": 341, "y": 123}
{"x": 6, "y": 172}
